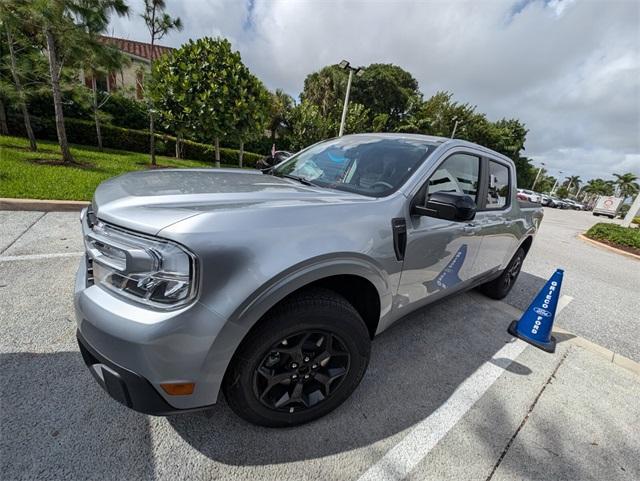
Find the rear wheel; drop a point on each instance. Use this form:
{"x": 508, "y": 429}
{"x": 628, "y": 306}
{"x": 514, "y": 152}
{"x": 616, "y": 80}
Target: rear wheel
{"x": 306, "y": 357}
{"x": 501, "y": 286}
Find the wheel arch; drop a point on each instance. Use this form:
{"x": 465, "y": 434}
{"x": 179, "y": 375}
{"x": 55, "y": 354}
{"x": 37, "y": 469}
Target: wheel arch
{"x": 364, "y": 284}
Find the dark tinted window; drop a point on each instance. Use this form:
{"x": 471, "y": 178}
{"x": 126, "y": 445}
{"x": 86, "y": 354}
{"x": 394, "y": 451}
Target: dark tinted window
{"x": 369, "y": 165}
{"x": 498, "y": 191}
{"x": 457, "y": 174}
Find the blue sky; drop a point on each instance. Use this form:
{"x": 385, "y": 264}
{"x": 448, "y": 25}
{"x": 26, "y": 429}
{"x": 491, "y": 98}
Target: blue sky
{"x": 568, "y": 68}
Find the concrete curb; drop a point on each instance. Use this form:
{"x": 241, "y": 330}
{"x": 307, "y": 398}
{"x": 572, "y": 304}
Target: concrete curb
{"x": 566, "y": 336}
{"x": 42, "y": 205}
{"x": 605, "y": 246}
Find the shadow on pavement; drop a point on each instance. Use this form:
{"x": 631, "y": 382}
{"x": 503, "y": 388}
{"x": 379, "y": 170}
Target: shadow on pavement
{"x": 525, "y": 290}
{"x": 56, "y": 423}
{"x": 415, "y": 367}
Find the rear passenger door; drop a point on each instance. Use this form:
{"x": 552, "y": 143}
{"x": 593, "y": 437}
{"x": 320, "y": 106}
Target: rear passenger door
{"x": 494, "y": 217}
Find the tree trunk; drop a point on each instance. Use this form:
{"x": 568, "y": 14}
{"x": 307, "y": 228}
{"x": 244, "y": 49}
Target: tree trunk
{"x": 94, "y": 88}
{"x": 152, "y": 137}
{"x": 21, "y": 100}
{"x": 217, "y": 148}
{"x": 4, "y": 127}
{"x": 241, "y": 153}
{"x": 179, "y": 145}
{"x": 54, "y": 70}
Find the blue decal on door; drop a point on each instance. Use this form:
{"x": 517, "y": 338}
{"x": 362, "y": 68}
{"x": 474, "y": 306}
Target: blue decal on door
{"x": 449, "y": 277}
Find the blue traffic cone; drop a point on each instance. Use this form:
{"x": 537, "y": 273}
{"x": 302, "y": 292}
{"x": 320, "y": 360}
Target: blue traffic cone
{"x": 536, "y": 323}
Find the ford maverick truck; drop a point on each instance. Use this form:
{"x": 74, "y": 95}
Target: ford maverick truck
{"x": 269, "y": 285}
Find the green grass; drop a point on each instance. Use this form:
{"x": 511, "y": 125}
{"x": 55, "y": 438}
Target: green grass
{"x": 23, "y": 175}
{"x": 615, "y": 235}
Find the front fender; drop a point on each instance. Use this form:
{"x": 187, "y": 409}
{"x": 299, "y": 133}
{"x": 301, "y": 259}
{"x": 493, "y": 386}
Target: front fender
{"x": 268, "y": 295}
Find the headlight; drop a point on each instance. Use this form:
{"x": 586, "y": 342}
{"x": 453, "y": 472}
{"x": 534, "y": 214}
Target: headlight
{"x": 154, "y": 272}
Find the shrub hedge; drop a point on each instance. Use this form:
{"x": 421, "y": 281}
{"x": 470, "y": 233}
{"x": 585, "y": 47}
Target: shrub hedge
{"x": 84, "y": 132}
{"x": 615, "y": 234}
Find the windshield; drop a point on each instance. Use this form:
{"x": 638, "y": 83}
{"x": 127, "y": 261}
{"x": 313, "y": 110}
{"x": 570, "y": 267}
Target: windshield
{"x": 366, "y": 164}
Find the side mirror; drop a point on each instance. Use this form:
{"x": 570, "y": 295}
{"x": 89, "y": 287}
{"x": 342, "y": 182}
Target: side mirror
{"x": 447, "y": 205}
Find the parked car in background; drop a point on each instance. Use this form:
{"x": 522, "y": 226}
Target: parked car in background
{"x": 607, "y": 205}
{"x": 546, "y": 201}
{"x": 530, "y": 195}
{"x": 269, "y": 286}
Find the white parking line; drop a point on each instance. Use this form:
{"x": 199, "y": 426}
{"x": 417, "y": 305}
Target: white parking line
{"x": 404, "y": 456}
{"x": 32, "y": 257}
{"x": 400, "y": 460}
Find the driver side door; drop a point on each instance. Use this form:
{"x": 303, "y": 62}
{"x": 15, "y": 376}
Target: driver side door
{"x": 440, "y": 254}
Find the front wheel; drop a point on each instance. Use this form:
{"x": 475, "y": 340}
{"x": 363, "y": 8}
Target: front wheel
{"x": 501, "y": 286}
{"x": 303, "y": 360}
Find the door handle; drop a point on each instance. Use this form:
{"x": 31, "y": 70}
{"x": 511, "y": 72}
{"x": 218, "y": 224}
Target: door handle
{"x": 471, "y": 228}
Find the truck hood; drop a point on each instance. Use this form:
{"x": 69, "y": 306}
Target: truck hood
{"x": 149, "y": 201}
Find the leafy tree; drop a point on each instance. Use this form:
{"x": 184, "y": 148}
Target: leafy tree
{"x": 386, "y": 89}
{"x": 280, "y": 108}
{"x": 250, "y": 108}
{"x": 62, "y": 28}
{"x": 200, "y": 88}
{"x": 357, "y": 120}
{"x": 159, "y": 23}
{"x": 10, "y": 23}
{"x": 307, "y": 125}
{"x": 562, "y": 192}
{"x": 170, "y": 93}
{"x": 627, "y": 184}
{"x": 325, "y": 89}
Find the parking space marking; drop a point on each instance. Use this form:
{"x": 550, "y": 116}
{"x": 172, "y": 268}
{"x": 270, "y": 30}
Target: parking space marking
{"x": 23, "y": 233}
{"x": 563, "y": 302}
{"x": 33, "y": 257}
{"x": 398, "y": 462}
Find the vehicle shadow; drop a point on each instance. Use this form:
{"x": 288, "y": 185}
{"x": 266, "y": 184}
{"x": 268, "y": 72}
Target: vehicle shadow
{"x": 56, "y": 423}
{"x": 524, "y": 290}
{"x": 415, "y": 367}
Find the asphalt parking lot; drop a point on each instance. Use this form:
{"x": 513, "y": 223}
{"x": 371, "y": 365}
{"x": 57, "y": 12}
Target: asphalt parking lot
{"x": 448, "y": 395}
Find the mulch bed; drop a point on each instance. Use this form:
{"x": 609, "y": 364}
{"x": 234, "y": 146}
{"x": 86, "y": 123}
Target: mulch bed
{"x": 631, "y": 250}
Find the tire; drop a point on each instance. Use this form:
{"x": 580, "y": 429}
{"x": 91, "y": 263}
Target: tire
{"x": 273, "y": 379}
{"x": 502, "y": 285}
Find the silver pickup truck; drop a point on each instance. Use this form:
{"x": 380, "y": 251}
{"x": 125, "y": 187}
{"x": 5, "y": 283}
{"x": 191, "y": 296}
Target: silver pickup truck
{"x": 269, "y": 286}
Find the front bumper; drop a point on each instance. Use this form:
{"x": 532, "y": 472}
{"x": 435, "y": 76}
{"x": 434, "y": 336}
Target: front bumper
{"x": 123, "y": 385}
{"x": 132, "y": 349}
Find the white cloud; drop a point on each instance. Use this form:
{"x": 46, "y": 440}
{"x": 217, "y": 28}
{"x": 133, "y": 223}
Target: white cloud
{"x": 569, "y": 69}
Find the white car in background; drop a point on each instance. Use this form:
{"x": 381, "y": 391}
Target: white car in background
{"x": 530, "y": 195}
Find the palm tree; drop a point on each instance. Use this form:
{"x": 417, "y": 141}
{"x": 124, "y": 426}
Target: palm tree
{"x": 627, "y": 184}
{"x": 599, "y": 187}
{"x": 572, "y": 181}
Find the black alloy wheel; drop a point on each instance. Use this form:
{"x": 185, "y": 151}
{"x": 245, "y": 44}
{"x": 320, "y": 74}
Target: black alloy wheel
{"x": 300, "y": 371}
{"x": 301, "y": 361}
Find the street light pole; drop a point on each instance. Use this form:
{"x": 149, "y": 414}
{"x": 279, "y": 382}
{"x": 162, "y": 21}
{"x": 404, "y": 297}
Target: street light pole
{"x": 537, "y": 175}
{"x": 358, "y": 71}
{"x": 553, "y": 191}
{"x": 455, "y": 127}
{"x": 346, "y": 103}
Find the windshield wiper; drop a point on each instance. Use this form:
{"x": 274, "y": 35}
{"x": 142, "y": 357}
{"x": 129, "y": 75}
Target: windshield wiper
{"x": 302, "y": 180}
